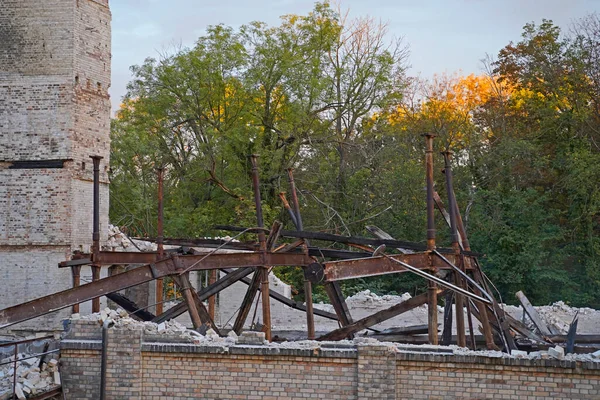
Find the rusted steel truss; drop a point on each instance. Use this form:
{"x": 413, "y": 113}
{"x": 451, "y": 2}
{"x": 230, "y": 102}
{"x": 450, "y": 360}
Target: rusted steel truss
{"x": 453, "y": 270}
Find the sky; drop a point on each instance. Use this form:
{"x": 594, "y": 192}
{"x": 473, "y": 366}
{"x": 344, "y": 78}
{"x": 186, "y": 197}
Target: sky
{"x": 443, "y": 36}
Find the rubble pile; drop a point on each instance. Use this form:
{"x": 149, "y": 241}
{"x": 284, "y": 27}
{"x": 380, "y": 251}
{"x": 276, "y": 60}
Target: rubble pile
{"x": 560, "y": 315}
{"x": 31, "y": 378}
{"x": 118, "y": 241}
{"x": 120, "y": 319}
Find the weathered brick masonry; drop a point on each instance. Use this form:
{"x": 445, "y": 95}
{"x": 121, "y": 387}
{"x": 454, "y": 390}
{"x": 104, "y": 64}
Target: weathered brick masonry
{"x": 147, "y": 367}
{"x": 54, "y": 106}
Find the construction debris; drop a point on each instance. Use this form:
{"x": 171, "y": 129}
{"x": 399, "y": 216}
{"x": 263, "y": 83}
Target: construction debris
{"x": 31, "y": 380}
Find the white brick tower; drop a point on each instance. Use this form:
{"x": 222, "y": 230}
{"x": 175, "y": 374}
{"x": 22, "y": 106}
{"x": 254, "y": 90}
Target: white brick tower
{"x": 54, "y": 114}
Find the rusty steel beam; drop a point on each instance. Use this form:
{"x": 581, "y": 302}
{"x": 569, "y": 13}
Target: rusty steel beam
{"x": 212, "y": 300}
{"x": 310, "y": 318}
{"x": 290, "y": 303}
{"x": 336, "y": 297}
{"x": 76, "y": 274}
{"x": 251, "y": 292}
{"x": 432, "y": 288}
{"x": 242, "y": 260}
{"x": 131, "y": 307}
{"x": 76, "y": 295}
{"x": 347, "y": 239}
{"x": 142, "y": 274}
{"x": 159, "y": 238}
{"x": 263, "y": 246}
{"x": 206, "y": 261}
{"x": 381, "y": 265}
{"x": 183, "y": 282}
{"x": 96, "y": 277}
{"x": 205, "y": 293}
{"x": 112, "y": 258}
{"x": 376, "y": 318}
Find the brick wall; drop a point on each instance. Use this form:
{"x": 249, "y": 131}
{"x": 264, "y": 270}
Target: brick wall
{"x": 154, "y": 367}
{"x": 426, "y": 376}
{"x": 54, "y": 105}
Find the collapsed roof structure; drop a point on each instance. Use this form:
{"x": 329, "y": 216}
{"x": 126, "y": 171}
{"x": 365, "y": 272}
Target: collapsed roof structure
{"x": 454, "y": 272}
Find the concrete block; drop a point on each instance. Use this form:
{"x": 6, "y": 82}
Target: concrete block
{"x": 557, "y": 352}
{"x": 253, "y": 338}
{"x": 19, "y": 392}
{"x": 518, "y": 353}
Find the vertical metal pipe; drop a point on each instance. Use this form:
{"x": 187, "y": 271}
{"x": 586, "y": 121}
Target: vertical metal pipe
{"x": 432, "y": 287}
{"x": 96, "y": 229}
{"x": 451, "y": 200}
{"x": 459, "y": 301}
{"x": 159, "y": 239}
{"x": 430, "y": 200}
{"x": 96, "y": 202}
{"x": 310, "y": 319}
{"x": 264, "y": 271}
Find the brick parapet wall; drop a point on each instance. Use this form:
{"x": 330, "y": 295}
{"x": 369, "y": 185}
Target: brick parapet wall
{"x": 376, "y": 372}
{"x": 428, "y": 376}
{"x": 143, "y": 368}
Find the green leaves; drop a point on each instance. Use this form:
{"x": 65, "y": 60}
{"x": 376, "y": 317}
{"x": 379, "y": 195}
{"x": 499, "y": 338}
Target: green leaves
{"x": 328, "y": 96}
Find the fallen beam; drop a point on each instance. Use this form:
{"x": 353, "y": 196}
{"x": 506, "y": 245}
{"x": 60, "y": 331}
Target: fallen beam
{"x": 406, "y": 330}
{"x": 131, "y": 307}
{"x": 205, "y": 293}
{"x": 336, "y": 297}
{"x": 533, "y": 314}
{"x": 376, "y": 318}
{"x": 291, "y": 303}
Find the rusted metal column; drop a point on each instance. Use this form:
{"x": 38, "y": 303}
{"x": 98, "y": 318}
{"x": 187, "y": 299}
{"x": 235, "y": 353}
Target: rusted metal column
{"x": 459, "y": 300}
{"x": 188, "y": 296}
{"x": 264, "y": 271}
{"x": 76, "y": 272}
{"x": 483, "y": 316}
{"x": 432, "y": 288}
{"x": 310, "y": 319}
{"x": 159, "y": 239}
{"x": 212, "y": 278}
{"x": 96, "y": 229}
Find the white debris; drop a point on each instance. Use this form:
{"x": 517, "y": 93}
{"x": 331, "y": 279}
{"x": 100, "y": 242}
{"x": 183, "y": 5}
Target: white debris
{"x": 19, "y": 391}
{"x": 119, "y": 241}
{"x": 232, "y": 335}
{"x": 557, "y": 352}
{"x": 518, "y": 353}
{"x": 56, "y": 378}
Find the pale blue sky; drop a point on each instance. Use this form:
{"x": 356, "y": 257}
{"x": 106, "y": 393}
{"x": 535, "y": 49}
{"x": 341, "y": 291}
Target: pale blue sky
{"x": 443, "y": 35}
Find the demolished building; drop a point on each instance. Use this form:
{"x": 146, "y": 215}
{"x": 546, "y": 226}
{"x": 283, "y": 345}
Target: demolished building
{"x": 54, "y": 206}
